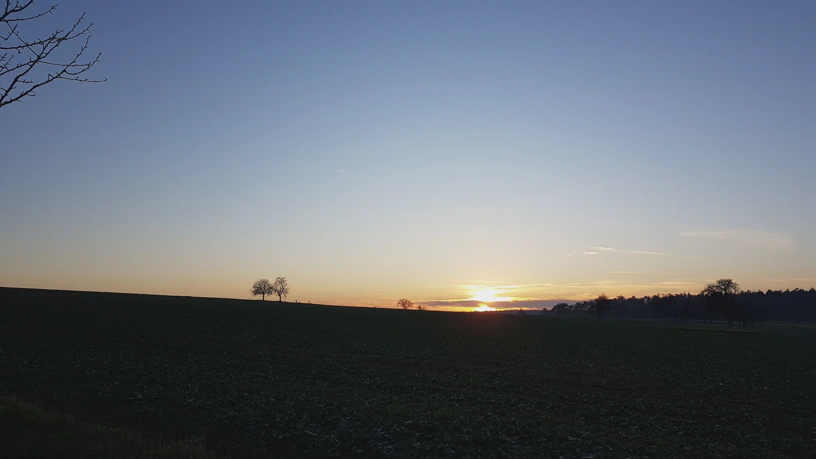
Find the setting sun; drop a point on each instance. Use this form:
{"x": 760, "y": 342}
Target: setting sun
{"x": 488, "y": 295}
{"x": 483, "y": 308}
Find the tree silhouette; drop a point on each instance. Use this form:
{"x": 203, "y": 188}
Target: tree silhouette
{"x": 262, "y": 287}
{"x": 602, "y": 303}
{"x": 721, "y": 298}
{"x": 723, "y": 286}
{"x": 281, "y": 288}
{"x": 27, "y": 63}
{"x": 561, "y": 309}
{"x": 405, "y": 303}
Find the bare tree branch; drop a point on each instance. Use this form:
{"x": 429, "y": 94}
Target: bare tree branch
{"x": 27, "y": 64}
{"x": 17, "y": 8}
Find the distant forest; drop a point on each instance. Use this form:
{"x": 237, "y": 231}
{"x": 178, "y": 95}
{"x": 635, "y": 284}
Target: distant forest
{"x": 747, "y": 308}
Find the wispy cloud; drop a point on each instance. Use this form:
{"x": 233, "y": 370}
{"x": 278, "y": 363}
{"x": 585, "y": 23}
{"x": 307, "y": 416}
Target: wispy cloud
{"x": 770, "y": 240}
{"x": 792, "y": 279}
{"x": 604, "y": 249}
{"x": 592, "y": 250}
{"x": 469, "y": 282}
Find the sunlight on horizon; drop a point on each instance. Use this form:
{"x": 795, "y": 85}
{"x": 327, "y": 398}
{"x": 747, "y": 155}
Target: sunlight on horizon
{"x": 489, "y": 295}
{"x": 484, "y": 308}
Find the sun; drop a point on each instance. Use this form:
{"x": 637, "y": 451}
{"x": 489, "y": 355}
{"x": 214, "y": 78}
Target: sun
{"x": 483, "y": 308}
{"x": 488, "y": 295}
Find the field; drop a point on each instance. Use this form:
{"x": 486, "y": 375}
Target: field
{"x": 253, "y": 379}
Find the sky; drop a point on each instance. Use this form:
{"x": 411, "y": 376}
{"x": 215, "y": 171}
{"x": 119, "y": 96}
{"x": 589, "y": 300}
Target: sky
{"x": 455, "y": 153}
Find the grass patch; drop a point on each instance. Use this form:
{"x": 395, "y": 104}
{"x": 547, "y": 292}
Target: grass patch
{"x": 27, "y": 431}
{"x": 291, "y": 380}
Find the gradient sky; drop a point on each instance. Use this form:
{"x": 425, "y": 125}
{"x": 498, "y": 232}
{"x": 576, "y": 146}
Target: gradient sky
{"x": 373, "y": 150}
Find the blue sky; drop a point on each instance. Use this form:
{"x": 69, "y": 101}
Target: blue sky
{"x": 433, "y": 150}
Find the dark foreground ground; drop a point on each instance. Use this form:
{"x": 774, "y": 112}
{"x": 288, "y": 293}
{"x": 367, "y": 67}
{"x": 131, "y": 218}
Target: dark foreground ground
{"x": 254, "y": 379}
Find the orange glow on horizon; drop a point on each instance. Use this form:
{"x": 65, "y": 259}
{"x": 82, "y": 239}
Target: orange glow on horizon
{"x": 488, "y": 295}
{"x": 484, "y": 308}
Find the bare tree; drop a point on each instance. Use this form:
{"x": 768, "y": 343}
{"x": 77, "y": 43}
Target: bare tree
{"x": 281, "y": 288}
{"x": 27, "y": 64}
{"x": 262, "y": 287}
{"x": 405, "y": 303}
{"x": 722, "y": 286}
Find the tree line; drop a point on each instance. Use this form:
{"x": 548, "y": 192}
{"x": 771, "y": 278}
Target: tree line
{"x": 720, "y": 301}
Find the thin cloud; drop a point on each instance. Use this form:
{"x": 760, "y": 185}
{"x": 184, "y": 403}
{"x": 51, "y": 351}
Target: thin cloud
{"x": 450, "y": 303}
{"x": 592, "y": 250}
{"x": 499, "y": 305}
{"x": 803, "y": 280}
{"x": 497, "y": 292}
{"x": 604, "y": 249}
{"x": 479, "y": 282}
{"x": 770, "y": 240}
{"x": 526, "y": 286}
